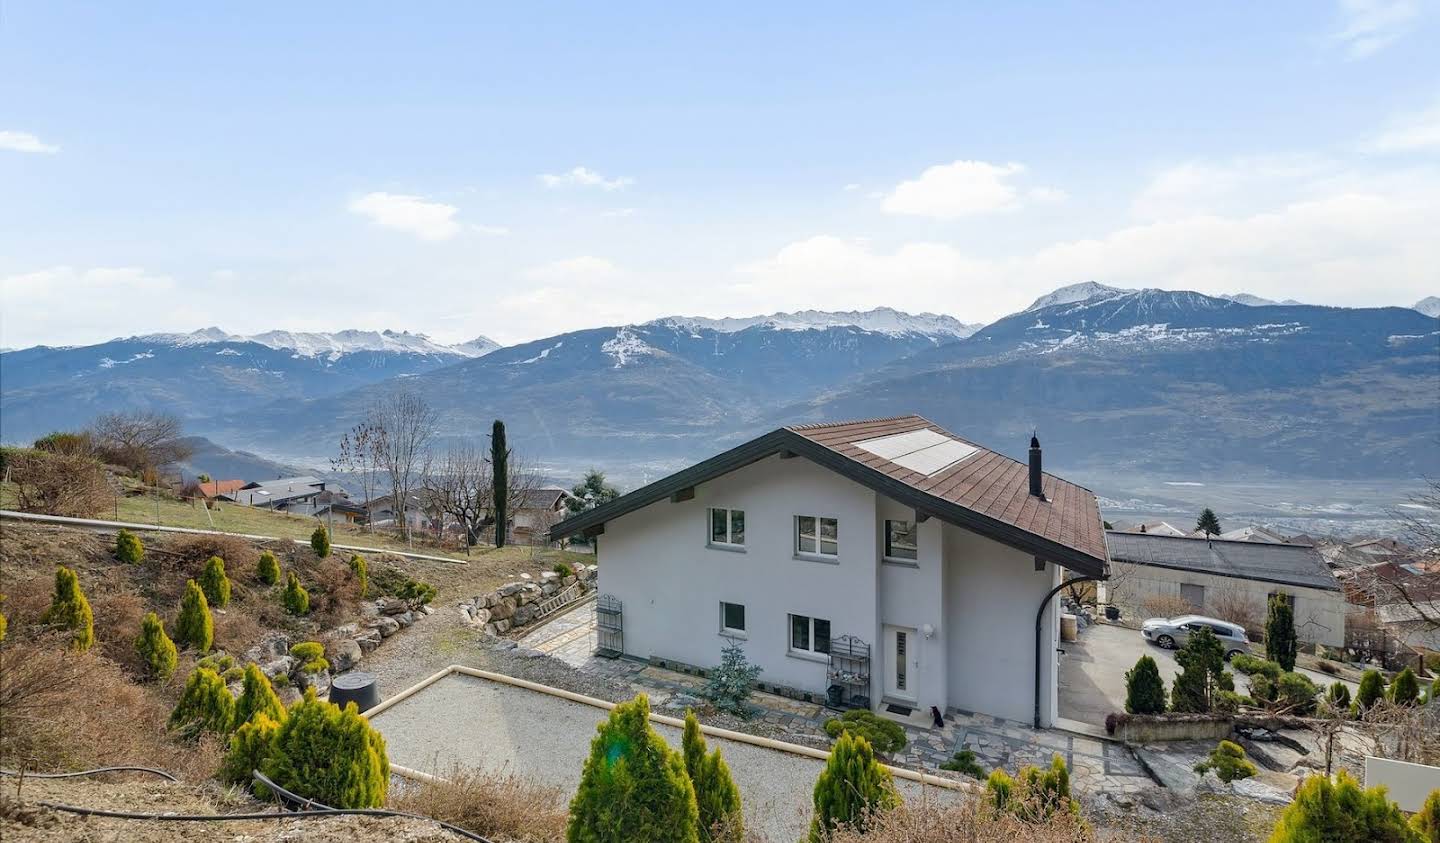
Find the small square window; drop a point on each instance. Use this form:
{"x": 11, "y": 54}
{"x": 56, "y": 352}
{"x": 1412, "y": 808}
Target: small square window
{"x": 727, "y": 526}
{"x": 732, "y": 617}
{"x": 809, "y": 635}
{"x": 901, "y": 541}
{"x": 817, "y": 535}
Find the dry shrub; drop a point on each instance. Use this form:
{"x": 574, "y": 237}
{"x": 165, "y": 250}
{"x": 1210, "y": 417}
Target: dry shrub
{"x": 496, "y": 805}
{"x": 117, "y": 624}
{"x": 63, "y": 710}
{"x": 966, "y": 819}
{"x": 334, "y": 591}
{"x": 192, "y": 551}
{"x": 1233, "y": 605}
{"x": 1167, "y": 606}
{"x": 237, "y": 627}
{"x": 58, "y": 484}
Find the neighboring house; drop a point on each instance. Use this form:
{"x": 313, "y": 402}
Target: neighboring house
{"x": 540, "y": 510}
{"x": 1159, "y": 528}
{"x": 1253, "y": 533}
{"x": 1207, "y": 573}
{"x": 331, "y": 505}
{"x": 281, "y": 494}
{"x": 422, "y": 511}
{"x": 221, "y": 488}
{"x": 888, "y": 562}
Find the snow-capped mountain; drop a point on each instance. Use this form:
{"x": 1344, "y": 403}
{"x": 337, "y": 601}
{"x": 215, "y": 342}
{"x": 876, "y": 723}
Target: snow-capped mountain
{"x": 1254, "y": 301}
{"x": 330, "y": 345}
{"x": 1069, "y": 294}
{"x": 881, "y": 320}
{"x": 1430, "y": 306}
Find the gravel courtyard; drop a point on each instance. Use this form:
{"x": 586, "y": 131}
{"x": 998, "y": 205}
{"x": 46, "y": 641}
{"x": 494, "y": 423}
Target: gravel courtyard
{"x": 467, "y": 721}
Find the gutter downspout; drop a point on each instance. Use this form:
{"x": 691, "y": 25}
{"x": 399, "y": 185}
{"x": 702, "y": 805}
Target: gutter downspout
{"x": 1039, "y": 633}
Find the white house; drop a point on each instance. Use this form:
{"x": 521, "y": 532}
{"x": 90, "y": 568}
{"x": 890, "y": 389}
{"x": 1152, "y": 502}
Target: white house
{"x": 815, "y": 544}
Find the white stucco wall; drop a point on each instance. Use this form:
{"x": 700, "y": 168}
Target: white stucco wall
{"x": 1319, "y": 614}
{"x": 914, "y": 597}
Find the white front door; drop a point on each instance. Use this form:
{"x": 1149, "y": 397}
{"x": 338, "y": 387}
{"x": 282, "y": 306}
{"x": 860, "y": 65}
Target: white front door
{"x": 902, "y": 662}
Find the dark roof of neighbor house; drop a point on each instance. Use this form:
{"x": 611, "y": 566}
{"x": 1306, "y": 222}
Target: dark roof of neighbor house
{"x": 982, "y": 491}
{"x": 1283, "y": 564}
{"x": 545, "y": 498}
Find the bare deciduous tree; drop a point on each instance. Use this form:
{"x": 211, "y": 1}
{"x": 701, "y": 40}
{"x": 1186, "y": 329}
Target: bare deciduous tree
{"x": 362, "y": 452}
{"x": 1406, "y": 589}
{"x": 140, "y": 439}
{"x": 408, "y": 424}
{"x": 460, "y": 485}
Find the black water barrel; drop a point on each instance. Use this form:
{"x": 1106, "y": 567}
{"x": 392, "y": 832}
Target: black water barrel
{"x": 357, "y": 687}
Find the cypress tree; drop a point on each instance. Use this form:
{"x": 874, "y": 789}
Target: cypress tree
{"x": 297, "y": 599}
{"x": 1372, "y": 690}
{"x": 205, "y": 705}
{"x": 195, "y": 627}
{"x": 214, "y": 582}
{"x": 320, "y": 541}
{"x": 852, "y": 786}
{"x": 1405, "y": 689}
{"x": 633, "y": 785}
{"x": 128, "y": 547}
{"x": 1144, "y": 689}
{"x": 257, "y": 697}
{"x": 155, "y": 648}
{"x": 1281, "y": 644}
{"x": 500, "y": 471}
{"x": 1208, "y": 523}
{"x": 329, "y": 754}
{"x": 69, "y": 610}
{"x": 250, "y": 748}
{"x": 715, "y": 792}
{"x": 267, "y": 570}
{"x": 361, "y": 572}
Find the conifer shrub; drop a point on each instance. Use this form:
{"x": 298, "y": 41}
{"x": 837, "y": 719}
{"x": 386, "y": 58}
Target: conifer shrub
{"x": 1281, "y": 643}
{"x": 1250, "y": 665}
{"x": 716, "y": 795}
{"x": 1372, "y": 690}
{"x": 728, "y": 686}
{"x": 267, "y": 570}
{"x": 416, "y": 591}
{"x": 1228, "y": 761}
{"x": 297, "y": 599}
{"x": 1426, "y": 821}
{"x": 250, "y": 748}
{"x": 128, "y": 547}
{"x": 361, "y": 572}
{"x": 69, "y": 610}
{"x": 965, "y": 762}
{"x": 851, "y": 789}
{"x": 195, "y": 628}
{"x": 633, "y": 785}
{"x": 563, "y": 569}
{"x": 884, "y": 735}
{"x": 1229, "y": 702}
{"x": 214, "y": 582}
{"x": 1296, "y": 692}
{"x": 1405, "y": 689}
{"x": 1340, "y": 812}
{"x": 1202, "y": 662}
{"x": 205, "y": 705}
{"x": 156, "y": 650}
{"x": 1144, "y": 689}
{"x": 1338, "y": 696}
{"x": 310, "y": 655}
{"x": 257, "y": 697}
{"x": 330, "y": 755}
{"x": 1035, "y": 795}
{"x": 320, "y": 541}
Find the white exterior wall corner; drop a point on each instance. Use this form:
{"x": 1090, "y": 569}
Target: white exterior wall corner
{"x": 914, "y": 597}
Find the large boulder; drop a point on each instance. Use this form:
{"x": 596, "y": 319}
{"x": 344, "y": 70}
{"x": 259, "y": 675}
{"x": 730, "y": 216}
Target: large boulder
{"x": 368, "y": 640}
{"x": 386, "y": 625}
{"x": 523, "y": 615}
{"x": 344, "y": 654}
{"x": 319, "y": 680}
{"x": 271, "y": 647}
{"x": 277, "y": 667}
{"x": 503, "y": 610}
{"x": 405, "y": 619}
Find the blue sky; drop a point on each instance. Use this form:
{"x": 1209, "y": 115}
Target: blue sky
{"x": 517, "y": 170}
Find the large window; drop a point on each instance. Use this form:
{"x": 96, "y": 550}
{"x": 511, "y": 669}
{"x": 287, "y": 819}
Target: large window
{"x": 727, "y": 526}
{"x": 901, "y": 540}
{"x": 809, "y": 635}
{"x": 732, "y": 617}
{"x": 820, "y": 536}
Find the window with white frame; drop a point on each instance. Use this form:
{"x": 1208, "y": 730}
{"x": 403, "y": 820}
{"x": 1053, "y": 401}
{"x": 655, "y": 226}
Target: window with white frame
{"x": 816, "y": 535}
{"x": 809, "y": 635}
{"x": 732, "y": 617}
{"x": 901, "y": 541}
{"x": 727, "y": 526}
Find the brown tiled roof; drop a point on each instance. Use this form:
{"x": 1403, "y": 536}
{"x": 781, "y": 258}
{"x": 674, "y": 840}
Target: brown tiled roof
{"x": 988, "y": 483}
{"x": 211, "y": 488}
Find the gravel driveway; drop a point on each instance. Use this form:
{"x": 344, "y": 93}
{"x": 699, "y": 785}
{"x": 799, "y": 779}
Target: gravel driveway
{"x": 467, "y": 721}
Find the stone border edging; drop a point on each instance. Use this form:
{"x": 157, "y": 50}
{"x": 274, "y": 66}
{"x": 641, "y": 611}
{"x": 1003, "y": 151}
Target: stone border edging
{"x": 712, "y": 731}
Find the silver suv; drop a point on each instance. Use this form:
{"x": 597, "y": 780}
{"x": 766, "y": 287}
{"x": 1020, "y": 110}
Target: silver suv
{"x": 1170, "y": 633}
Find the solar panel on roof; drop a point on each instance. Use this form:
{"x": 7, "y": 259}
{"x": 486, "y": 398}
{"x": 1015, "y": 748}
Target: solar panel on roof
{"x": 923, "y": 451}
{"x": 900, "y": 444}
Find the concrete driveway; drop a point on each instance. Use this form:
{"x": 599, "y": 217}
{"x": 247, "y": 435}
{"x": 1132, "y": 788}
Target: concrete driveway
{"x": 1092, "y": 671}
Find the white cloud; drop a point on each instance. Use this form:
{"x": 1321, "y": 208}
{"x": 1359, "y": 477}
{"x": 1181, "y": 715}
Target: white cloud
{"x": 412, "y": 214}
{"x": 491, "y": 230}
{"x": 620, "y": 213}
{"x": 66, "y": 304}
{"x": 851, "y": 187}
{"x": 963, "y": 188}
{"x": 1415, "y": 132}
{"x": 1369, "y": 26}
{"x": 26, "y": 142}
{"x": 583, "y": 268}
{"x": 584, "y": 177}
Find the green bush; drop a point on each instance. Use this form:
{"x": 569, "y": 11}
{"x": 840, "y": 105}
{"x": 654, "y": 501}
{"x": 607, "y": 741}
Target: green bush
{"x": 716, "y": 795}
{"x": 195, "y": 627}
{"x": 1229, "y": 702}
{"x": 297, "y": 599}
{"x": 70, "y": 611}
{"x": 1250, "y": 665}
{"x": 1296, "y": 692}
{"x": 563, "y": 569}
{"x": 331, "y": 755}
{"x": 852, "y": 787}
{"x": 416, "y": 591}
{"x": 1405, "y": 689}
{"x": 1372, "y": 690}
{"x": 218, "y": 662}
{"x": 1426, "y": 821}
{"x": 728, "y": 685}
{"x": 1144, "y": 689}
{"x": 205, "y": 705}
{"x": 311, "y": 656}
{"x": 155, "y": 648}
{"x": 633, "y": 785}
{"x": 267, "y": 570}
{"x": 320, "y": 541}
{"x": 1281, "y": 643}
{"x": 1340, "y": 812}
{"x": 128, "y": 547}
{"x": 257, "y": 697}
{"x": 1035, "y": 795}
{"x": 1228, "y": 761}
{"x": 250, "y": 748}
{"x": 361, "y": 572}
{"x": 884, "y": 735}
{"x": 214, "y": 582}
{"x": 1338, "y": 696}
{"x": 1202, "y": 662}
{"x": 964, "y": 762}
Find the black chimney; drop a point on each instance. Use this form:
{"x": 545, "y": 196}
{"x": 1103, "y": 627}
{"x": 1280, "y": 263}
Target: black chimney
{"x": 1035, "y": 489}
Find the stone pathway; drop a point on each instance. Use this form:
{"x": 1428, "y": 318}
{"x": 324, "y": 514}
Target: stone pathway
{"x": 1095, "y": 765}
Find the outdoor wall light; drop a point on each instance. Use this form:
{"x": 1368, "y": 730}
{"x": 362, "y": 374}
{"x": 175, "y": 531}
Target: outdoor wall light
{"x": 927, "y": 630}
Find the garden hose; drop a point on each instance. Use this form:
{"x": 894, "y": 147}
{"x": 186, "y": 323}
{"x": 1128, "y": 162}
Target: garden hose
{"x": 19, "y": 774}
